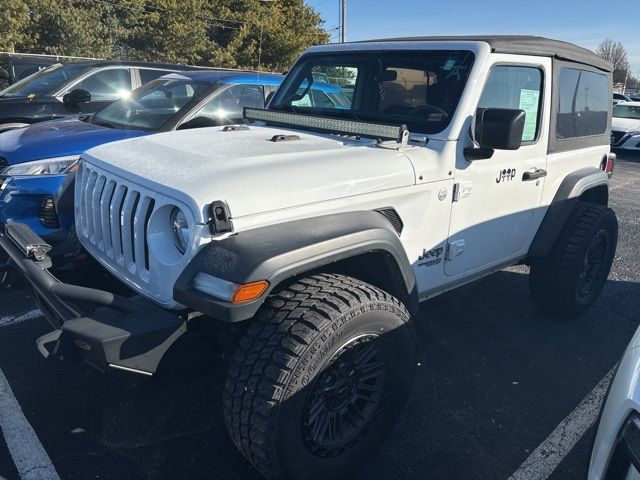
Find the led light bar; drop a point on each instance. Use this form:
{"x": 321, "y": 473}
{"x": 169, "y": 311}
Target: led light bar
{"x": 333, "y": 125}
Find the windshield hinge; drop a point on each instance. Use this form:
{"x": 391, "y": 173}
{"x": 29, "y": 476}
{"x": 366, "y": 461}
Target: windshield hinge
{"x": 394, "y": 144}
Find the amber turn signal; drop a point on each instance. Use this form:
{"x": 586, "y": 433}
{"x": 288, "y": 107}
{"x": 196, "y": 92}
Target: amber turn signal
{"x": 249, "y": 291}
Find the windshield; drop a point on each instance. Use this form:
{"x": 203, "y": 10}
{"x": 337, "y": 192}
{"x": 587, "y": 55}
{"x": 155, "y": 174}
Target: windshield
{"x": 149, "y": 107}
{"x": 627, "y": 111}
{"x": 46, "y": 81}
{"x": 418, "y": 89}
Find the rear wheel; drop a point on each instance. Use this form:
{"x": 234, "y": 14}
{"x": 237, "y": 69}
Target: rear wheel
{"x": 571, "y": 277}
{"x": 320, "y": 376}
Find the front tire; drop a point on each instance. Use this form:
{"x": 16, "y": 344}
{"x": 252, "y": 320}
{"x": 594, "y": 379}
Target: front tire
{"x": 571, "y": 277}
{"x": 320, "y": 376}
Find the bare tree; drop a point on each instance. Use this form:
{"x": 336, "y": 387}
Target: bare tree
{"x": 615, "y": 53}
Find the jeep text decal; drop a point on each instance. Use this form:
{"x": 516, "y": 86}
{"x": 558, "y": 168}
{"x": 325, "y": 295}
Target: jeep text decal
{"x": 430, "y": 257}
{"x": 506, "y": 175}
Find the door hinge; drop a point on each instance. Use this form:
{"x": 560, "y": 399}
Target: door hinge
{"x": 455, "y": 249}
{"x": 461, "y": 190}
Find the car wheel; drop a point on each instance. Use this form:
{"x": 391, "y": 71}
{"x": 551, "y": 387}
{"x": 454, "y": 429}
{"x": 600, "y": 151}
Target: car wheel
{"x": 571, "y": 277}
{"x": 320, "y": 376}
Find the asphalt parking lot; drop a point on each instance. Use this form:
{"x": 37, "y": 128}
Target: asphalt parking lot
{"x": 496, "y": 377}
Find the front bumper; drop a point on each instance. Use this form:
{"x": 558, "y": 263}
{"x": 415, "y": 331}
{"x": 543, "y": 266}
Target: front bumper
{"x": 103, "y": 329}
{"x": 21, "y": 201}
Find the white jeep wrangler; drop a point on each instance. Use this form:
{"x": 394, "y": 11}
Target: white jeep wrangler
{"x": 325, "y": 220}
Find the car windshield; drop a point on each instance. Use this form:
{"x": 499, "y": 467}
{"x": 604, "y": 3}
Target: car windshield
{"x": 418, "y": 89}
{"x": 149, "y": 107}
{"x": 627, "y": 111}
{"x": 44, "y": 82}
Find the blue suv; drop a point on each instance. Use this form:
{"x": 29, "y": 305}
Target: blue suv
{"x": 36, "y": 161}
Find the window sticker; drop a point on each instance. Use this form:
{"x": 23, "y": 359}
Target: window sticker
{"x": 529, "y": 101}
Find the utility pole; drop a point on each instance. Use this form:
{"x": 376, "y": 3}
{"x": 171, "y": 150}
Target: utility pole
{"x": 343, "y": 28}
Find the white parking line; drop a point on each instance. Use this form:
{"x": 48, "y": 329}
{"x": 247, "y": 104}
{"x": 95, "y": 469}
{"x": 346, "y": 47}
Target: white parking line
{"x": 544, "y": 459}
{"x": 11, "y": 320}
{"x": 29, "y": 456}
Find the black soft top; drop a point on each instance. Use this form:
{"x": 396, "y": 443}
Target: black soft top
{"x": 522, "y": 45}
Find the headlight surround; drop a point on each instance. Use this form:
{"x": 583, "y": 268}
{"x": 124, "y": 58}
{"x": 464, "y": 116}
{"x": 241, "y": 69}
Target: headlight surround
{"x": 180, "y": 229}
{"x": 46, "y": 166}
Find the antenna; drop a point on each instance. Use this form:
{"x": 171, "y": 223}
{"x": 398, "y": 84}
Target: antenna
{"x": 343, "y": 18}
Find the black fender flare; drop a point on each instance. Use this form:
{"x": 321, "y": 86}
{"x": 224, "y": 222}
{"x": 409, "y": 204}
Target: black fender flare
{"x": 279, "y": 252}
{"x": 572, "y": 187}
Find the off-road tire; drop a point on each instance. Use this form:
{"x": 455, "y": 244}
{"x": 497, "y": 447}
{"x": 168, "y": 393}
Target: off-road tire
{"x": 557, "y": 281}
{"x": 302, "y": 334}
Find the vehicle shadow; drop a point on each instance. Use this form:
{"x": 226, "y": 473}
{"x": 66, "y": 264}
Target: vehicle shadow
{"x": 494, "y": 376}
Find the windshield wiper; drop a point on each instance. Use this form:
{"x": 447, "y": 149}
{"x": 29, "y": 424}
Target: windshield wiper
{"x": 104, "y": 123}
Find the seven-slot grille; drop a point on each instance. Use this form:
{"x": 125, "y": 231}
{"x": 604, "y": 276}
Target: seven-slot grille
{"x": 113, "y": 217}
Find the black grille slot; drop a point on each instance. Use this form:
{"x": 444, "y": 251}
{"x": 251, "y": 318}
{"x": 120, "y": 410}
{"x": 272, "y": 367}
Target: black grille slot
{"x": 48, "y": 215}
{"x": 146, "y": 230}
{"x": 393, "y": 217}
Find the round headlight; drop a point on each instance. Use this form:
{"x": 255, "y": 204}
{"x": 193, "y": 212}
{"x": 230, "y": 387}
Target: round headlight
{"x": 180, "y": 228}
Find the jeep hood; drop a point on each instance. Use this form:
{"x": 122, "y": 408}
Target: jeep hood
{"x": 57, "y": 138}
{"x": 249, "y": 171}
{"x": 620, "y": 124}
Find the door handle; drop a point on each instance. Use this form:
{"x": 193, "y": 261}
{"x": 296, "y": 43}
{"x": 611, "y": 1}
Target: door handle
{"x": 538, "y": 173}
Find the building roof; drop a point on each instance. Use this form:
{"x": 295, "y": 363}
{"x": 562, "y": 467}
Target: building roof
{"x": 522, "y": 45}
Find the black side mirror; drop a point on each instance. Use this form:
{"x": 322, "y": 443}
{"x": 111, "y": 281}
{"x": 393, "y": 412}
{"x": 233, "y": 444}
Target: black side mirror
{"x": 76, "y": 97}
{"x": 496, "y": 129}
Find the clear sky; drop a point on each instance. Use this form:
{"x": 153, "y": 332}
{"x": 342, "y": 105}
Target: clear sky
{"x": 584, "y": 22}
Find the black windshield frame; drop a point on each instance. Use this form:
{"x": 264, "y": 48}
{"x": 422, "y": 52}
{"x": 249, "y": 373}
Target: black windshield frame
{"x": 372, "y": 73}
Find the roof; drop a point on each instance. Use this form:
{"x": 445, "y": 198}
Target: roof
{"x": 629, "y": 104}
{"x": 123, "y": 63}
{"x": 521, "y": 45}
{"x": 229, "y": 76}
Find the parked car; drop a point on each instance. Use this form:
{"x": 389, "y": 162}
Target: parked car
{"x": 14, "y": 67}
{"x": 625, "y": 126}
{"x": 41, "y": 156}
{"x": 74, "y": 89}
{"x": 619, "y": 97}
{"x": 318, "y": 230}
{"x": 616, "y": 449}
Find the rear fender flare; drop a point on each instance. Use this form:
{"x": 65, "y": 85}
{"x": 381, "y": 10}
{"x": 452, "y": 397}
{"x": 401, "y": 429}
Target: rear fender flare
{"x": 572, "y": 188}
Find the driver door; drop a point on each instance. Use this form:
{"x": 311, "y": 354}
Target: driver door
{"x": 495, "y": 211}
{"x": 105, "y": 87}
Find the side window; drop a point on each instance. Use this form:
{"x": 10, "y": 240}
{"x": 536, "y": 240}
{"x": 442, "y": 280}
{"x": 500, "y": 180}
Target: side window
{"x": 519, "y": 88}
{"x": 583, "y": 103}
{"x": 230, "y": 103}
{"x": 146, "y": 74}
{"x": 107, "y": 84}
